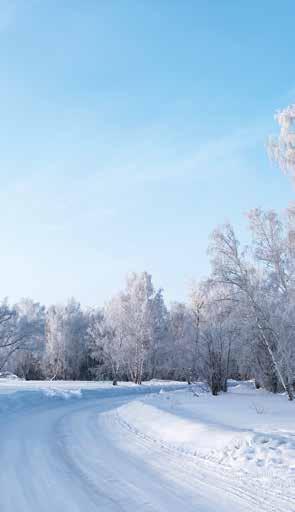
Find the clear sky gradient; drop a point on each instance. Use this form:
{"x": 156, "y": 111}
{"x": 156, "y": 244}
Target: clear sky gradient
{"x": 129, "y": 129}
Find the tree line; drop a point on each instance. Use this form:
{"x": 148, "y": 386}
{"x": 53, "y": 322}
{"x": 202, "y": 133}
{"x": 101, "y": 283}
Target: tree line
{"x": 237, "y": 323}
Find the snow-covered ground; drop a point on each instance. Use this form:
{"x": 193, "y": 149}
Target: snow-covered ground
{"x": 77, "y": 446}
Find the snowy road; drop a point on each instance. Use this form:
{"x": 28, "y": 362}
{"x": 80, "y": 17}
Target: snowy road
{"x": 78, "y": 455}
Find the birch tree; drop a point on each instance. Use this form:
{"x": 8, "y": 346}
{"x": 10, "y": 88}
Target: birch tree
{"x": 231, "y": 269}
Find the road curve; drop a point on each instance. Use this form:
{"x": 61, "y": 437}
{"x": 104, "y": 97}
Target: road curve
{"x": 76, "y": 456}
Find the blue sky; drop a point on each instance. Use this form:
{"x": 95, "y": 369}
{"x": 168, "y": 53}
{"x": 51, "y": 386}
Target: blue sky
{"x": 129, "y": 130}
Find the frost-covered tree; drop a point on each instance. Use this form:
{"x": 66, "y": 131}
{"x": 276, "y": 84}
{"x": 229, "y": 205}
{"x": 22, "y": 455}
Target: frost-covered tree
{"x": 197, "y": 303}
{"x": 282, "y": 148}
{"x": 19, "y": 329}
{"x": 183, "y": 334}
{"x": 66, "y": 340}
{"x": 249, "y": 286}
{"x": 137, "y": 307}
{"x": 97, "y": 365}
{"x": 128, "y": 337}
{"x": 55, "y": 343}
{"x": 159, "y": 346}
{"x": 27, "y": 362}
{"x": 219, "y": 332}
{"x": 272, "y": 248}
{"x": 107, "y": 334}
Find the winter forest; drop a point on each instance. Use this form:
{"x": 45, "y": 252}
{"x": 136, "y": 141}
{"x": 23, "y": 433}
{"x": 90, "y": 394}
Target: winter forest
{"x": 238, "y": 323}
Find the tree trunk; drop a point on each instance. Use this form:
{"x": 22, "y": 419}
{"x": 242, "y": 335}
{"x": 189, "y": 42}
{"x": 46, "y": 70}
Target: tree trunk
{"x": 287, "y": 388}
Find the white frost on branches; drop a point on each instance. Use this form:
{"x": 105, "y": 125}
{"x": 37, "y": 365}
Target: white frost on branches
{"x": 281, "y": 149}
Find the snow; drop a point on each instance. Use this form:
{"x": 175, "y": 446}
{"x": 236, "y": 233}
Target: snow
{"x": 164, "y": 446}
{"x": 245, "y": 428}
{"x": 8, "y": 376}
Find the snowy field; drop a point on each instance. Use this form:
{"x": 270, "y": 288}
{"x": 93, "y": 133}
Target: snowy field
{"x": 161, "y": 447}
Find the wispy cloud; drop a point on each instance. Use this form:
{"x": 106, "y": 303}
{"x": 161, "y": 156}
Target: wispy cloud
{"x": 211, "y": 156}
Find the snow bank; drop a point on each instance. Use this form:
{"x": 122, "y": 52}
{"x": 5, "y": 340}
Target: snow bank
{"x": 179, "y": 433}
{"x": 246, "y": 429}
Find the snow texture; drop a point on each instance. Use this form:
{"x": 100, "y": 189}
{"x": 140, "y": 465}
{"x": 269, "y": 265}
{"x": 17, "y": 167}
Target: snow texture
{"x": 77, "y": 446}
